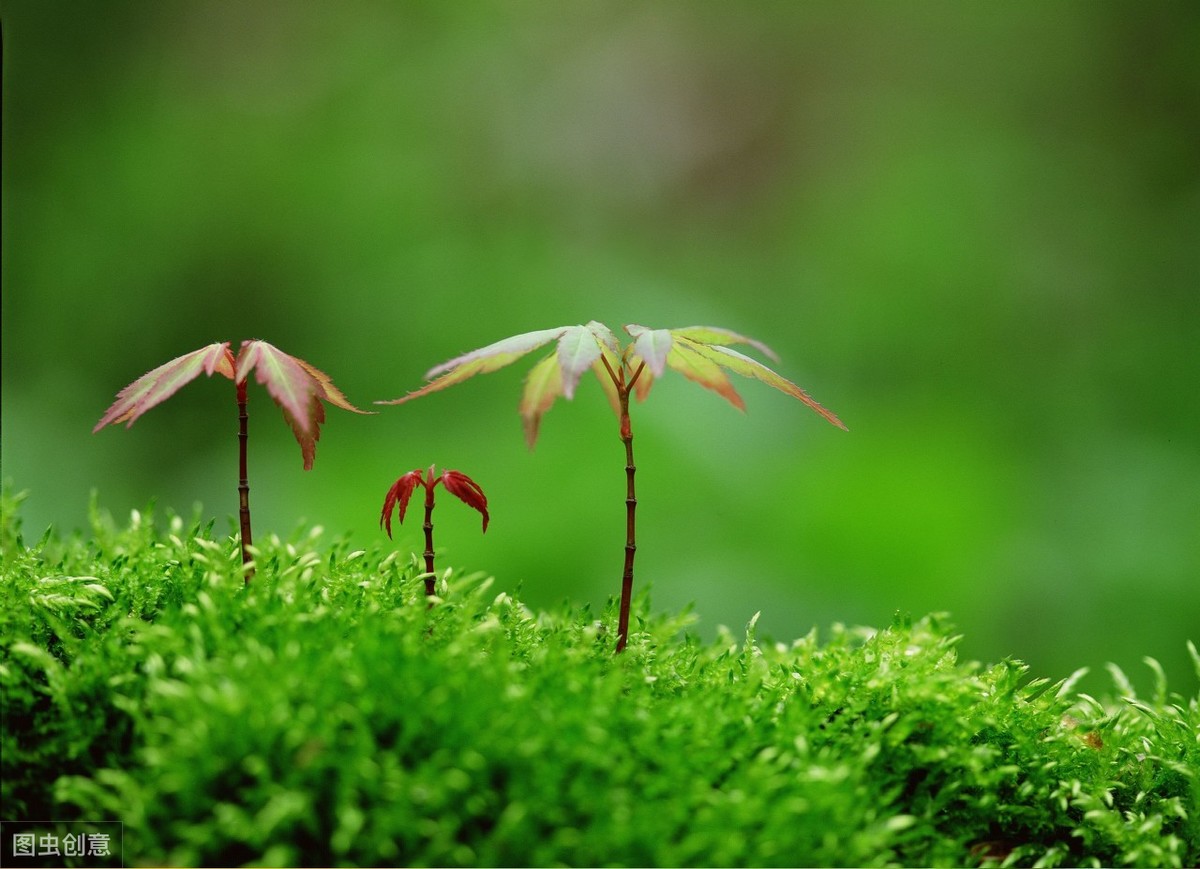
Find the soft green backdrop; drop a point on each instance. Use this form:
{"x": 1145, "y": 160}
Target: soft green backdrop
{"x": 972, "y": 230}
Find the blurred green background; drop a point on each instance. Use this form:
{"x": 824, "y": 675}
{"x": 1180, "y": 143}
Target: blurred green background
{"x": 971, "y": 230}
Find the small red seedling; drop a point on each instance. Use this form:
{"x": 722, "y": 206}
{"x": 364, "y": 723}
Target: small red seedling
{"x": 696, "y": 352}
{"x": 456, "y": 483}
{"x": 297, "y": 387}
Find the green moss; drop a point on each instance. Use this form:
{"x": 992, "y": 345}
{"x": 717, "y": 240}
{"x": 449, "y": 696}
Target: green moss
{"x": 326, "y": 716}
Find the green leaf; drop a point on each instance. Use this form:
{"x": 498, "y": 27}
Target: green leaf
{"x": 156, "y": 386}
{"x": 610, "y": 358}
{"x": 717, "y": 335}
{"x": 652, "y": 345}
{"x": 498, "y": 355}
{"x": 606, "y": 382}
{"x": 604, "y": 335}
{"x": 543, "y": 385}
{"x": 641, "y": 388}
{"x": 481, "y": 361}
{"x": 748, "y": 367}
{"x": 578, "y": 348}
{"x": 693, "y": 351}
{"x": 687, "y": 358}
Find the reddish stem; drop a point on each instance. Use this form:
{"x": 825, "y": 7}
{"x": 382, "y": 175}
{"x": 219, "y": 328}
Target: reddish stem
{"x": 430, "y": 578}
{"x": 630, "y": 534}
{"x": 244, "y": 483}
{"x": 623, "y": 390}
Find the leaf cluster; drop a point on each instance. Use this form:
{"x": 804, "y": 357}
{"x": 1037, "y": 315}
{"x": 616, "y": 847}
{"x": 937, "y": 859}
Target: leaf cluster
{"x": 699, "y": 353}
{"x": 325, "y": 715}
{"x": 456, "y": 483}
{"x": 299, "y": 388}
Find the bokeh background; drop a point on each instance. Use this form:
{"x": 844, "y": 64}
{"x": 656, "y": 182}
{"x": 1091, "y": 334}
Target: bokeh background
{"x": 972, "y": 230}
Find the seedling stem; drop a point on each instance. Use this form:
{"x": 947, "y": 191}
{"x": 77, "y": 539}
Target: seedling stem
{"x": 244, "y": 483}
{"x": 430, "y": 577}
{"x": 623, "y": 391}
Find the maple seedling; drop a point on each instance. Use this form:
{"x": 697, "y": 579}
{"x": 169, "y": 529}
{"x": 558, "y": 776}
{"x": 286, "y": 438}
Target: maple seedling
{"x": 297, "y": 387}
{"x": 699, "y": 353}
{"x": 455, "y": 482}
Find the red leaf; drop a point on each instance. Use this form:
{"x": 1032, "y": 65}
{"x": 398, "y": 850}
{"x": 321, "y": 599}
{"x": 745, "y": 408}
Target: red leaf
{"x": 468, "y": 491}
{"x": 156, "y": 386}
{"x": 398, "y": 496}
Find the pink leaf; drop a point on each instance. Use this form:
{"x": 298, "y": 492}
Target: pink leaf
{"x": 290, "y": 385}
{"x": 158, "y": 385}
{"x": 297, "y": 387}
{"x": 468, "y": 491}
{"x": 398, "y": 496}
{"x": 329, "y": 392}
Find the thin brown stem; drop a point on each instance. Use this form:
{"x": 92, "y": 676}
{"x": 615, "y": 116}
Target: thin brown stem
{"x": 630, "y": 515}
{"x": 623, "y": 391}
{"x": 617, "y": 380}
{"x": 430, "y": 579}
{"x": 636, "y": 375}
{"x": 244, "y": 484}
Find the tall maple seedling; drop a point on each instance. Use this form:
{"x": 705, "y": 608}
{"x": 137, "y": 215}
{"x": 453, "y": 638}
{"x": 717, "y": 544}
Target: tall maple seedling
{"x": 699, "y": 353}
{"x": 297, "y": 387}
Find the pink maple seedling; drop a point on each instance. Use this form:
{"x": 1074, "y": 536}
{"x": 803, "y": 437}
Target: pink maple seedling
{"x": 455, "y": 482}
{"x": 297, "y": 387}
{"x": 699, "y": 353}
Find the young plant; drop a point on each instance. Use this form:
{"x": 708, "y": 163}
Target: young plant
{"x": 456, "y": 483}
{"x": 699, "y": 353}
{"x": 297, "y": 387}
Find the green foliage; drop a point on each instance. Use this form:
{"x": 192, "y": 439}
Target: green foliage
{"x": 696, "y": 352}
{"x": 324, "y": 715}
